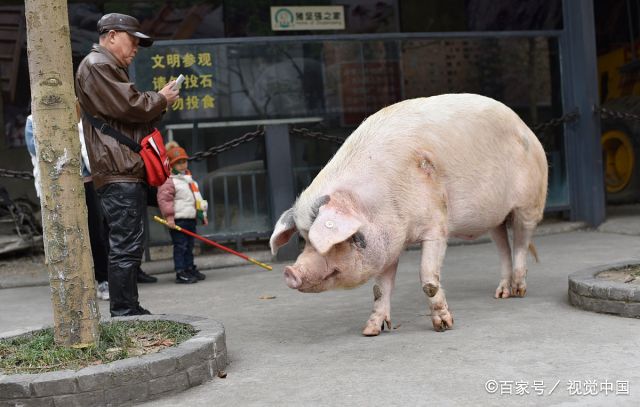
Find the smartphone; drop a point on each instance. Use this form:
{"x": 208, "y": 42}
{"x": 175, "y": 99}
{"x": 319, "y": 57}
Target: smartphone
{"x": 178, "y": 83}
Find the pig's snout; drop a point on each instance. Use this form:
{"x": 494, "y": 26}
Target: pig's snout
{"x": 292, "y": 278}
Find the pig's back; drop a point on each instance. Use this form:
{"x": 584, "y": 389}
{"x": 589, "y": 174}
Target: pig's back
{"x": 488, "y": 160}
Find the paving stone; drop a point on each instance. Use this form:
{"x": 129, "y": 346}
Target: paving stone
{"x": 128, "y": 371}
{"x": 94, "y": 398}
{"x": 219, "y": 363}
{"x": 15, "y": 386}
{"x": 583, "y": 289}
{"x": 632, "y": 310}
{"x": 169, "y": 384}
{"x": 126, "y": 394}
{"x": 199, "y": 374}
{"x": 94, "y": 378}
{"x": 599, "y": 305}
{"x": 30, "y": 402}
{"x": 54, "y": 383}
{"x": 619, "y": 293}
{"x": 195, "y": 353}
{"x": 161, "y": 364}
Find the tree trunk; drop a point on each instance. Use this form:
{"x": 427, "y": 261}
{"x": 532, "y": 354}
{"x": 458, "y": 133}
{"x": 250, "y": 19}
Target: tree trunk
{"x": 64, "y": 212}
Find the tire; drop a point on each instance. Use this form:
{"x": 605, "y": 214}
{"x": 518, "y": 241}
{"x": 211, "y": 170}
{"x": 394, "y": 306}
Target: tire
{"x": 620, "y": 155}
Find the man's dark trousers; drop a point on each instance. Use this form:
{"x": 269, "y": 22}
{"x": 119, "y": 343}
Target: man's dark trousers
{"x": 122, "y": 205}
{"x": 97, "y": 233}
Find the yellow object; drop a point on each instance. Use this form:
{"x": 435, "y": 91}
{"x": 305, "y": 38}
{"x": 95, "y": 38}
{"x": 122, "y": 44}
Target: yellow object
{"x": 212, "y": 243}
{"x": 619, "y": 160}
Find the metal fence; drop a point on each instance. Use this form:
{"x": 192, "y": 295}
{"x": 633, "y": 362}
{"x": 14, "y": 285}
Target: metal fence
{"x": 239, "y": 204}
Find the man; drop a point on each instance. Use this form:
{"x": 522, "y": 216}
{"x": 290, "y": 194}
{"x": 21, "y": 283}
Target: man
{"x": 105, "y": 92}
{"x": 97, "y": 233}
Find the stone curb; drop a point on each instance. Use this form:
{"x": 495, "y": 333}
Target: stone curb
{"x": 591, "y": 293}
{"x": 126, "y": 381}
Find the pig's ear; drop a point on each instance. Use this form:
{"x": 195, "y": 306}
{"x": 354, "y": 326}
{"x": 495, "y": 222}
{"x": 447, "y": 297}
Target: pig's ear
{"x": 284, "y": 229}
{"x": 331, "y": 227}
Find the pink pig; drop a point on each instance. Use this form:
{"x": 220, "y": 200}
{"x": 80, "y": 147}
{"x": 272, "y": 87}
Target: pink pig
{"x": 420, "y": 170}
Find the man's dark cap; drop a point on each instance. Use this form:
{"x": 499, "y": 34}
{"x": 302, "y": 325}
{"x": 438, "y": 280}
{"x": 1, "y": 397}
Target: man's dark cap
{"x": 123, "y": 22}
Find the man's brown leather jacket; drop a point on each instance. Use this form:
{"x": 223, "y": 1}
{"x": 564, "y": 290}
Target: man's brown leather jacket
{"x": 105, "y": 91}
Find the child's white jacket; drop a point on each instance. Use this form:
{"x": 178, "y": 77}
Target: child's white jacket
{"x": 176, "y": 198}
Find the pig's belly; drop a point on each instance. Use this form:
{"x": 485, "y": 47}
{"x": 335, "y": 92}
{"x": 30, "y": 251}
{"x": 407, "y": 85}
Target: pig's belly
{"x": 470, "y": 224}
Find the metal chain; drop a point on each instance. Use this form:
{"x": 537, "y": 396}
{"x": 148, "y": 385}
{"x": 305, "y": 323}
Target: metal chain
{"x": 15, "y": 174}
{"x": 316, "y": 135}
{"x": 303, "y": 132}
{"x": 559, "y": 121}
{"x": 566, "y": 118}
{"x": 215, "y": 150}
{"x": 612, "y": 114}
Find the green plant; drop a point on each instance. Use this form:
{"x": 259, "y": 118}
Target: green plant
{"x": 37, "y": 351}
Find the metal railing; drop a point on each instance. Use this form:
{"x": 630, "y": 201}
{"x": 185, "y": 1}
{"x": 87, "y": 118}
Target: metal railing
{"x": 238, "y": 203}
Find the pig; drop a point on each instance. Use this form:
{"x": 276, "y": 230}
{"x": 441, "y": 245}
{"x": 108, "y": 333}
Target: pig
{"x": 419, "y": 171}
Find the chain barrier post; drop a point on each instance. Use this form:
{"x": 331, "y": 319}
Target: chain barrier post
{"x": 280, "y": 178}
{"x": 579, "y": 79}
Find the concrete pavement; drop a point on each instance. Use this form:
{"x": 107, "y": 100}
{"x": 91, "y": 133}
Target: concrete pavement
{"x": 307, "y": 349}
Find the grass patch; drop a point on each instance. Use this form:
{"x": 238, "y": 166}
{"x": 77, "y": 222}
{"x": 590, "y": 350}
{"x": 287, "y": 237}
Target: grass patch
{"x": 38, "y": 353}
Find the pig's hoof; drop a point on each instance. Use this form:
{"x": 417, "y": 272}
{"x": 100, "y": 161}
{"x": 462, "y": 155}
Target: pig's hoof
{"x": 374, "y": 327}
{"x": 519, "y": 291}
{"x": 430, "y": 289}
{"x": 502, "y": 293}
{"x": 442, "y": 321}
{"x": 503, "y": 290}
{"x": 441, "y": 325}
{"x": 371, "y": 330}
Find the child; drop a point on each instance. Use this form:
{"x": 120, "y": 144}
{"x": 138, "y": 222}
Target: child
{"x": 181, "y": 204}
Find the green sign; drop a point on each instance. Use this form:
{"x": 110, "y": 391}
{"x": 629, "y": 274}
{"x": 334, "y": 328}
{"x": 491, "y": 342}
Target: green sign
{"x": 159, "y": 65}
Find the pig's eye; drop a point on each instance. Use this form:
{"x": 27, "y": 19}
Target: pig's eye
{"x": 359, "y": 240}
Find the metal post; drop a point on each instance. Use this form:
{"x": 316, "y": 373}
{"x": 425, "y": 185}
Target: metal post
{"x": 198, "y": 168}
{"x": 579, "y": 92}
{"x": 280, "y": 177}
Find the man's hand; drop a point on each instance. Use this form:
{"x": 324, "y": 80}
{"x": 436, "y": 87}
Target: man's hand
{"x": 169, "y": 93}
{"x": 171, "y": 222}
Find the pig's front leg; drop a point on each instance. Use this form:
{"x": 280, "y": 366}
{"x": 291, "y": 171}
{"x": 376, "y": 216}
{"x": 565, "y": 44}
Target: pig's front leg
{"x": 381, "y": 302}
{"x": 432, "y": 256}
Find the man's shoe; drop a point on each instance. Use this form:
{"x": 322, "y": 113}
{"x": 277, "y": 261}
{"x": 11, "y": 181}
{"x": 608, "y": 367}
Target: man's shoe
{"x": 196, "y": 273}
{"x": 145, "y": 278}
{"x": 143, "y": 311}
{"x": 184, "y": 277}
{"x": 138, "y": 310}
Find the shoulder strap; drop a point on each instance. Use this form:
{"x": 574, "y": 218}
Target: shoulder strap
{"x": 110, "y": 131}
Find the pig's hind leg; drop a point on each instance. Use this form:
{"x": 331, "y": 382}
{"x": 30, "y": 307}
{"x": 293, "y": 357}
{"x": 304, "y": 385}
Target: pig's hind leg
{"x": 433, "y": 252}
{"x": 501, "y": 238}
{"x": 523, "y": 229}
{"x": 381, "y": 302}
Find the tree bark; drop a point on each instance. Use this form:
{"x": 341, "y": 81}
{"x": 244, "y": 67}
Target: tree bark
{"x": 64, "y": 212}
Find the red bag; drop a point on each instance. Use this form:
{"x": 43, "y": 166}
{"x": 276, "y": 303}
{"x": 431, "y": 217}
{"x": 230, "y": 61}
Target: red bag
{"x": 154, "y": 155}
{"x": 151, "y": 149}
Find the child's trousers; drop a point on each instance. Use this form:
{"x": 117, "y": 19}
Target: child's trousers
{"x": 183, "y": 245}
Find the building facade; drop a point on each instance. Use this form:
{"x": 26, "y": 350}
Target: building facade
{"x": 285, "y": 81}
